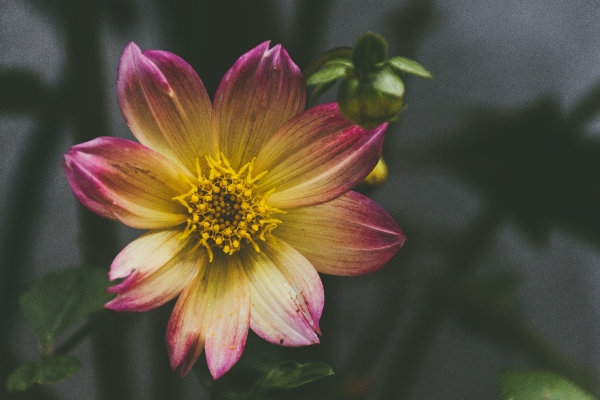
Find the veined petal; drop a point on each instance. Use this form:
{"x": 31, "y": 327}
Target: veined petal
{"x": 165, "y": 104}
{"x": 228, "y": 298}
{"x": 286, "y": 294}
{"x": 262, "y": 90}
{"x": 124, "y": 180}
{"x": 156, "y": 267}
{"x": 305, "y": 288}
{"x": 81, "y": 195}
{"x": 185, "y": 339}
{"x": 213, "y": 313}
{"x": 350, "y": 235}
{"x": 317, "y": 156}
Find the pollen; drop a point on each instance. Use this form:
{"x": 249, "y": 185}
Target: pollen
{"x": 226, "y": 210}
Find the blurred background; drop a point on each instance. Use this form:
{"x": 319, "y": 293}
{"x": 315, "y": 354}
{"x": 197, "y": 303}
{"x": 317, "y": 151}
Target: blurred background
{"x": 494, "y": 176}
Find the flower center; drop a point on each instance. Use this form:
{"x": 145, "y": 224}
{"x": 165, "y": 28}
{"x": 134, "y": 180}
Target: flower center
{"x": 225, "y": 210}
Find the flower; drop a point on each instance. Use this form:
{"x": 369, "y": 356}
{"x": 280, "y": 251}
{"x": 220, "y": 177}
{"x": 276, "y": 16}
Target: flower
{"x": 244, "y": 201}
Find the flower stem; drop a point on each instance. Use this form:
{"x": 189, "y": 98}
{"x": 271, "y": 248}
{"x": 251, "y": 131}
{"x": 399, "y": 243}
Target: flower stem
{"x": 98, "y": 236}
{"x": 80, "y": 335}
{"x": 22, "y": 216}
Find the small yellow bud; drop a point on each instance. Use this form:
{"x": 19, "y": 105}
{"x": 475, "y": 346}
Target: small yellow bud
{"x": 378, "y": 176}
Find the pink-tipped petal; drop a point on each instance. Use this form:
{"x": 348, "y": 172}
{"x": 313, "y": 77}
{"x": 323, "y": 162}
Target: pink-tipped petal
{"x": 184, "y": 337}
{"x": 350, "y": 235}
{"x": 156, "y": 267}
{"x": 165, "y": 105}
{"x": 213, "y": 313}
{"x": 81, "y": 194}
{"x": 124, "y": 180}
{"x": 227, "y": 328}
{"x": 316, "y": 157}
{"x": 262, "y": 90}
{"x": 286, "y": 294}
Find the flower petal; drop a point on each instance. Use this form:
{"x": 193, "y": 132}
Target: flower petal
{"x": 124, "y": 180}
{"x": 184, "y": 338}
{"x": 213, "y": 313}
{"x": 286, "y": 294}
{"x": 262, "y": 90}
{"x": 227, "y": 328}
{"x": 80, "y": 194}
{"x": 157, "y": 266}
{"x": 165, "y": 105}
{"x": 316, "y": 157}
{"x": 350, "y": 235}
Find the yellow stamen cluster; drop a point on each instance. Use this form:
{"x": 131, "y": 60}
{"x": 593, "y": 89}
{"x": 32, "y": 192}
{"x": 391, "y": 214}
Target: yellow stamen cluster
{"x": 225, "y": 211}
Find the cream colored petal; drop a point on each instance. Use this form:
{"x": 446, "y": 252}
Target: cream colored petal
{"x": 350, "y": 235}
{"x": 165, "y": 105}
{"x": 213, "y": 314}
{"x": 156, "y": 267}
{"x": 285, "y": 305}
{"x": 304, "y": 284}
{"x": 261, "y": 91}
{"x": 229, "y": 300}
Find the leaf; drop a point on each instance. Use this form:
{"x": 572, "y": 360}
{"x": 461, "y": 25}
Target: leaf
{"x": 402, "y": 64}
{"x": 538, "y": 385}
{"x": 331, "y": 71}
{"x": 344, "y": 53}
{"x": 47, "y": 370}
{"x": 62, "y": 299}
{"x": 258, "y": 358}
{"x": 259, "y": 355}
{"x": 289, "y": 375}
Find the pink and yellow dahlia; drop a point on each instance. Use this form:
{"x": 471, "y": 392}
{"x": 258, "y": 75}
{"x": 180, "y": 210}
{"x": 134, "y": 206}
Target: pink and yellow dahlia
{"x": 244, "y": 201}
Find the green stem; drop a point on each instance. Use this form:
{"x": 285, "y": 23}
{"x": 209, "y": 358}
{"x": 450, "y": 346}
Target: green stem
{"x": 88, "y": 113}
{"x": 21, "y": 221}
{"x": 80, "y": 335}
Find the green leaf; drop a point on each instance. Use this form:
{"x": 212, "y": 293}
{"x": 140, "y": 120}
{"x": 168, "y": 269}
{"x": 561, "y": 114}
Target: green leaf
{"x": 402, "y": 64}
{"x": 47, "y": 370}
{"x": 369, "y": 49}
{"x": 344, "y": 53}
{"x": 538, "y": 385}
{"x": 62, "y": 299}
{"x": 289, "y": 375}
{"x": 331, "y": 71}
{"x": 259, "y": 355}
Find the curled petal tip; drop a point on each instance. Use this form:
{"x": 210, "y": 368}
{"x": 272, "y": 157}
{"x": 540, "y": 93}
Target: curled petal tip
{"x": 132, "y": 48}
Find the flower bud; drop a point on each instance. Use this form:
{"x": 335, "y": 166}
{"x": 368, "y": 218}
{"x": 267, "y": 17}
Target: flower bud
{"x": 378, "y": 176}
{"x": 373, "y": 98}
{"x": 376, "y": 179}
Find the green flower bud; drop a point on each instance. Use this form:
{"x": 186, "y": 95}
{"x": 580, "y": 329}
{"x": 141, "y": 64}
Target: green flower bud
{"x": 373, "y": 98}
